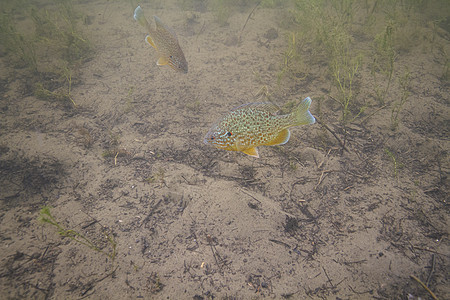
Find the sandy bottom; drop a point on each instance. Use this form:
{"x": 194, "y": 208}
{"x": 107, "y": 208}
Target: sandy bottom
{"x": 127, "y": 169}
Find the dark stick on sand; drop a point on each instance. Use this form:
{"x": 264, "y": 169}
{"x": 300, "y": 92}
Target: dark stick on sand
{"x": 425, "y": 287}
{"x": 248, "y": 18}
{"x": 333, "y": 133}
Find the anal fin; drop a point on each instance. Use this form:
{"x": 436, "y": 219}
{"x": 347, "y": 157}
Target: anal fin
{"x": 252, "y": 152}
{"x": 282, "y": 138}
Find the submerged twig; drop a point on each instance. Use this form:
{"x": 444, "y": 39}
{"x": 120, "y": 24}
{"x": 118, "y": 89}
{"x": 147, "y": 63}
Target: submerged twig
{"x": 424, "y": 286}
{"x": 248, "y": 18}
{"x": 333, "y": 133}
{"x": 152, "y": 210}
{"x": 219, "y": 260}
{"x": 433, "y": 263}
{"x": 371, "y": 115}
{"x": 322, "y": 176}
{"x": 328, "y": 277}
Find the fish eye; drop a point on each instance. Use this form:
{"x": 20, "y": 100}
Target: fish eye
{"x": 212, "y": 138}
{"x": 229, "y": 133}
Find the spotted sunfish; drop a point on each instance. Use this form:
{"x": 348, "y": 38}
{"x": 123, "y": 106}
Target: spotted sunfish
{"x": 257, "y": 124}
{"x": 164, "y": 40}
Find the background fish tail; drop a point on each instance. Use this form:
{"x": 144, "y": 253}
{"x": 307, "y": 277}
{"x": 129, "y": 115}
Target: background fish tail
{"x": 140, "y": 17}
{"x": 301, "y": 114}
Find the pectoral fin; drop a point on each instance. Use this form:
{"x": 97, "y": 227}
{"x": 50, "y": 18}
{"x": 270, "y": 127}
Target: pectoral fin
{"x": 162, "y": 61}
{"x": 149, "y": 40}
{"x": 252, "y": 152}
{"x": 282, "y": 138}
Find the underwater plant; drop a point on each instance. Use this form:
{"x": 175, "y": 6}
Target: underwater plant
{"x": 292, "y": 65}
{"x": 397, "y": 107}
{"x": 395, "y": 163}
{"x": 383, "y": 62}
{"x": 445, "y": 75}
{"x": 129, "y": 99}
{"x": 344, "y": 67}
{"x": 16, "y": 45}
{"x": 58, "y": 30}
{"x": 331, "y": 44}
{"x": 45, "y": 94}
{"x": 157, "y": 177}
{"x": 223, "y": 9}
{"x": 48, "y": 52}
{"x": 45, "y": 216}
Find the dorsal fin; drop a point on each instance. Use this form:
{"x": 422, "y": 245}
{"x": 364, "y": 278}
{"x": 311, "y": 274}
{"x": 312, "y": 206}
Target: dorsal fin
{"x": 161, "y": 26}
{"x": 265, "y": 106}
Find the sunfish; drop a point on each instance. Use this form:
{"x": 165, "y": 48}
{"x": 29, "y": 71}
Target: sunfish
{"x": 164, "y": 40}
{"x": 256, "y": 124}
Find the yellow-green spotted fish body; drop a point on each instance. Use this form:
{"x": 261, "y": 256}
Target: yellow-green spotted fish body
{"x": 164, "y": 40}
{"x": 256, "y": 124}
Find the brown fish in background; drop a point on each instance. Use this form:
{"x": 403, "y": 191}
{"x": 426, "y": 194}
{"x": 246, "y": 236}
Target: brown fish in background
{"x": 164, "y": 40}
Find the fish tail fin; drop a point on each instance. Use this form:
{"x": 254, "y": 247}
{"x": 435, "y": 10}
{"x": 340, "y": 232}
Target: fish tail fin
{"x": 301, "y": 115}
{"x": 140, "y": 17}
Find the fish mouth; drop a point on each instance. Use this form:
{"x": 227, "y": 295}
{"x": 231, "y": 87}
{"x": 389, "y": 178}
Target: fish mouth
{"x": 180, "y": 66}
{"x": 184, "y": 69}
{"x": 181, "y": 69}
{"x": 208, "y": 138}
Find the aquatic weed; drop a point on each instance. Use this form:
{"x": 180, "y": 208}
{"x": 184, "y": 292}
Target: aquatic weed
{"x": 445, "y": 75}
{"x": 293, "y": 65}
{"x": 395, "y": 163}
{"x": 157, "y": 177}
{"x": 20, "y": 48}
{"x": 41, "y": 92}
{"x": 383, "y": 62}
{"x": 129, "y": 99}
{"x": 332, "y": 43}
{"x": 222, "y": 11}
{"x": 344, "y": 69}
{"x": 113, "y": 148}
{"x": 397, "y": 107}
{"x": 49, "y": 52}
{"x": 58, "y": 29}
{"x": 45, "y": 216}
